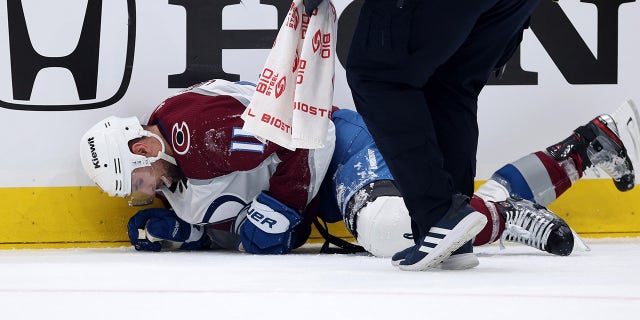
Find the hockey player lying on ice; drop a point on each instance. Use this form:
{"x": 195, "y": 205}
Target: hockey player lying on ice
{"x": 211, "y": 174}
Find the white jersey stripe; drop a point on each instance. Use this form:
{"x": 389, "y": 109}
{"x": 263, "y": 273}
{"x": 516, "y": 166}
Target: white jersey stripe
{"x": 246, "y": 146}
{"x": 239, "y": 132}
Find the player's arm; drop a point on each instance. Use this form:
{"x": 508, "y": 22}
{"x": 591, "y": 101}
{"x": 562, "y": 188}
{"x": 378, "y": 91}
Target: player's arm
{"x": 292, "y": 182}
{"x": 300, "y": 173}
{"x": 273, "y": 215}
{"x": 268, "y": 227}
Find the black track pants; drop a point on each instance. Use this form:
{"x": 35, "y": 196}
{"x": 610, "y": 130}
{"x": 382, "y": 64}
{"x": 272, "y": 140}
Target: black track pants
{"x": 415, "y": 69}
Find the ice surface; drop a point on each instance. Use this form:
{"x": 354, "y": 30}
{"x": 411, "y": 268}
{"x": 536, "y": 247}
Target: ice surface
{"x": 516, "y": 283}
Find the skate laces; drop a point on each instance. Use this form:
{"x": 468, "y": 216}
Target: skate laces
{"x": 527, "y": 225}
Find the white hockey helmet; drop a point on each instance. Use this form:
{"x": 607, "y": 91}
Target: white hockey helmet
{"x": 107, "y": 160}
{"x": 382, "y": 225}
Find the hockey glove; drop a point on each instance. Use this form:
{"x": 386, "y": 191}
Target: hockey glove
{"x": 310, "y": 5}
{"x": 268, "y": 226}
{"x": 156, "y": 229}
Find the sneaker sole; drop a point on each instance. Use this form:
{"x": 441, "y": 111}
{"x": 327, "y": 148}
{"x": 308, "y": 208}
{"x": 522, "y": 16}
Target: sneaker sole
{"x": 453, "y": 262}
{"x": 464, "y": 231}
{"x": 461, "y": 261}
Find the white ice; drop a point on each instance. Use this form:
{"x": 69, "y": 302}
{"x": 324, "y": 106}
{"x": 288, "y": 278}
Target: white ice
{"x": 515, "y": 283}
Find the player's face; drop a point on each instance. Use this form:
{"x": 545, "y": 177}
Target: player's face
{"x": 166, "y": 173}
{"x": 143, "y": 186}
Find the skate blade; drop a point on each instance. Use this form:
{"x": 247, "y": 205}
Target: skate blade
{"x": 578, "y": 243}
{"x": 627, "y": 119}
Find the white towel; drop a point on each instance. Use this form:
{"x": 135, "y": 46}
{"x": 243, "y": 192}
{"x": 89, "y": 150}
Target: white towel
{"x": 294, "y": 97}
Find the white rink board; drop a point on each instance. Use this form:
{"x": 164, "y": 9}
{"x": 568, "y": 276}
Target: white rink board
{"x": 40, "y": 147}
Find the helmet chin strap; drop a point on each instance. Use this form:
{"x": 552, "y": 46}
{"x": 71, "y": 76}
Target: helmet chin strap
{"x": 161, "y": 154}
{"x": 166, "y": 181}
{"x": 166, "y": 157}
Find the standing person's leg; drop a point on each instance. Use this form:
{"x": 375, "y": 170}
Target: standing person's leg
{"x": 407, "y": 141}
{"x": 393, "y": 53}
{"x": 452, "y": 91}
{"x": 389, "y": 63}
{"x": 457, "y": 132}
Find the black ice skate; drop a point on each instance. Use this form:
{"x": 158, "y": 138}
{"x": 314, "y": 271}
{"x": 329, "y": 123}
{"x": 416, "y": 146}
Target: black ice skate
{"x": 608, "y": 153}
{"x": 532, "y": 224}
{"x": 598, "y": 144}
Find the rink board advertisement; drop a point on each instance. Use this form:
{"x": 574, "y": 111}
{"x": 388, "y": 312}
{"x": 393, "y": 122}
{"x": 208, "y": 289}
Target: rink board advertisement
{"x": 68, "y": 63}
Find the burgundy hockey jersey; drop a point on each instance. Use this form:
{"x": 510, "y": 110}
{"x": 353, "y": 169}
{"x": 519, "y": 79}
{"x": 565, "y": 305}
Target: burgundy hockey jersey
{"x": 225, "y": 166}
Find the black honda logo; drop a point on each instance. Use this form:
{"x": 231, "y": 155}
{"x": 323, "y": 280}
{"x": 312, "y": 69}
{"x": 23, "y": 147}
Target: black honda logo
{"x": 83, "y": 62}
